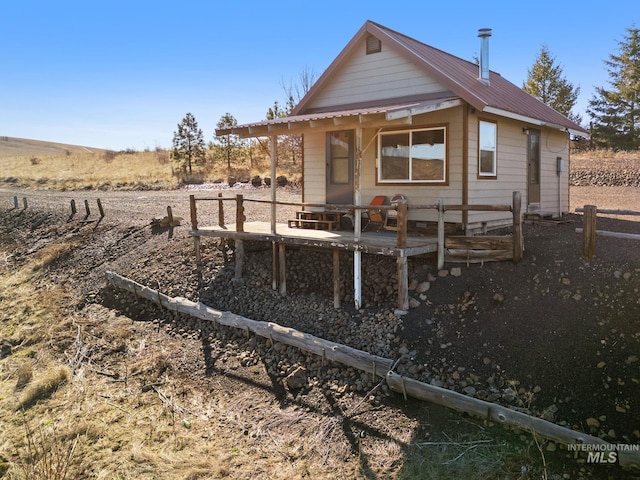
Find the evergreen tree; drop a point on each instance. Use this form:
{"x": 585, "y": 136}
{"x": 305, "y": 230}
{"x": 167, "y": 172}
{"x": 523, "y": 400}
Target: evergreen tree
{"x": 188, "y": 144}
{"x": 546, "y": 82}
{"x": 616, "y": 111}
{"x": 230, "y": 144}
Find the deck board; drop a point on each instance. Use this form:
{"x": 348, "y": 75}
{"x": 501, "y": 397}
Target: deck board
{"x": 381, "y": 243}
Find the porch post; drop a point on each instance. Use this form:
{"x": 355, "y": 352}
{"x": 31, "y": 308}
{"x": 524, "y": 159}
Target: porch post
{"x": 274, "y": 161}
{"x": 357, "y": 199}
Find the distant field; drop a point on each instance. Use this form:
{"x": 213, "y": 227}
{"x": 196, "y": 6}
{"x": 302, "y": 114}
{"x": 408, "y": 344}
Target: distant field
{"x": 21, "y": 147}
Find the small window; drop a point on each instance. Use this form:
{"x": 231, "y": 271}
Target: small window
{"x": 487, "y": 151}
{"x": 374, "y": 45}
{"x": 413, "y": 156}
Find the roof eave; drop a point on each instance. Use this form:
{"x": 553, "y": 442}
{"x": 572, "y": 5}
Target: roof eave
{"x": 535, "y": 121}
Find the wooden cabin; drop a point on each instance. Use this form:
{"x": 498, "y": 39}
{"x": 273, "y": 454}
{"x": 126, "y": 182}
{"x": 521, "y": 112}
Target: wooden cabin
{"x": 394, "y": 116}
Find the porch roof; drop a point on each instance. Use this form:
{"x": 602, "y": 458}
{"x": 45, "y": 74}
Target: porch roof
{"x": 398, "y": 110}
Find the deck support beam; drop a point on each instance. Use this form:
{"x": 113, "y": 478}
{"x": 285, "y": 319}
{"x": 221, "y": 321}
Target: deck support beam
{"x": 403, "y": 284}
{"x": 357, "y": 200}
{"x": 440, "y": 235}
{"x": 239, "y": 258}
{"x": 282, "y": 257}
{"x": 274, "y": 265}
{"x": 336, "y": 278}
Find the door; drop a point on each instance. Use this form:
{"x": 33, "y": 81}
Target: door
{"x": 533, "y": 160}
{"x": 340, "y": 155}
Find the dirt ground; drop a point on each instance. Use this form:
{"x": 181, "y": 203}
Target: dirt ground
{"x": 560, "y": 332}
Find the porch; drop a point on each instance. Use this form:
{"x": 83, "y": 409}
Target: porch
{"x": 399, "y": 243}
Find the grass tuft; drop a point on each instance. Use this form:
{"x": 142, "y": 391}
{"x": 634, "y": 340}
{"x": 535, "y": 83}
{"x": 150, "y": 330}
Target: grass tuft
{"x": 44, "y": 387}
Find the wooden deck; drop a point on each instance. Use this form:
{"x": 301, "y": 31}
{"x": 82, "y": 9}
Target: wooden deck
{"x": 379, "y": 243}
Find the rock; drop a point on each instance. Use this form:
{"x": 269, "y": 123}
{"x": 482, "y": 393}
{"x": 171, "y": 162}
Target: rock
{"x": 626, "y": 275}
{"x": 486, "y": 361}
{"x": 443, "y": 273}
{"x": 403, "y": 350}
{"x": 498, "y": 297}
{"x": 455, "y": 375}
{"x": 593, "y": 422}
{"x": 413, "y": 284}
{"x": 617, "y": 274}
{"x": 471, "y": 391}
{"x": 551, "y": 447}
{"x": 577, "y": 297}
{"x": 256, "y": 181}
{"x": 281, "y": 181}
{"x": 399, "y": 312}
{"x": 423, "y": 287}
{"x": 601, "y": 364}
{"x": 296, "y": 379}
{"x": 456, "y": 271}
{"x": 631, "y": 359}
{"x": 413, "y": 303}
{"x": 566, "y": 281}
{"x": 431, "y": 278}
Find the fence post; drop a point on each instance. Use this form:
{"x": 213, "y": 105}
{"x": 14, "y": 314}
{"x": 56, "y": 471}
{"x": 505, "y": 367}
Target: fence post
{"x": 87, "y": 209}
{"x": 170, "y": 216}
{"x": 15, "y": 202}
{"x": 518, "y": 239}
{"x": 100, "y": 209}
{"x": 589, "y": 231}
{"x": 74, "y": 210}
{"x": 220, "y": 211}
{"x": 194, "y": 212}
{"x": 24, "y": 203}
{"x": 239, "y": 213}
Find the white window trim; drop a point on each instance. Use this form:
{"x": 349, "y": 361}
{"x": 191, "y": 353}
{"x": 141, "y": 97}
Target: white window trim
{"x": 380, "y": 180}
{"x": 494, "y": 172}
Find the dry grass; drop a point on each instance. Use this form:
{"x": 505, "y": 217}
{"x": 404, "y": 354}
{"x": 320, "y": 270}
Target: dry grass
{"x": 125, "y": 171}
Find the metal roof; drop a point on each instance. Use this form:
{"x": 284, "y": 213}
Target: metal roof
{"x": 498, "y": 96}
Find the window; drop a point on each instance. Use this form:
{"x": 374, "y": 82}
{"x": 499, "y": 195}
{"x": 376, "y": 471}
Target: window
{"x": 487, "y": 149}
{"x": 414, "y": 156}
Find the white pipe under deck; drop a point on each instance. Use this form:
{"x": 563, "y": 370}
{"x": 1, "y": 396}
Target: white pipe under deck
{"x": 357, "y": 200}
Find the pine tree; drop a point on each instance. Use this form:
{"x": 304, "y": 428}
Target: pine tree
{"x": 546, "y": 82}
{"x": 188, "y": 144}
{"x": 228, "y": 144}
{"x": 616, "y": 111}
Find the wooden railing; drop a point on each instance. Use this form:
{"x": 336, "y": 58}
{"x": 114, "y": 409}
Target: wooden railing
{"x": 401, "y": 208}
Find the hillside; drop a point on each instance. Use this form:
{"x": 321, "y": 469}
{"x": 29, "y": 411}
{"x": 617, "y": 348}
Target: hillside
{"x": 21, "y": 147}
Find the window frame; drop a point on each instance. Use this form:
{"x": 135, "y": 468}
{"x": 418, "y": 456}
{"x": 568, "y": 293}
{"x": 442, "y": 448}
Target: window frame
{"x": 494, "y": 173}
{"x": 410, "y": 131}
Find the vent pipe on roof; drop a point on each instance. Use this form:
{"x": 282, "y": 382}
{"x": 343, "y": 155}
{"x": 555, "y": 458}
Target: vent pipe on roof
{"x": 484, "y": 34}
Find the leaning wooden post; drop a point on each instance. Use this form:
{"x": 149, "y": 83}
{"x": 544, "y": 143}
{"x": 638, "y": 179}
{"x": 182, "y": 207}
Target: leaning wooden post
{"x": 74, "y": 210}
{"x": 440, "y": 234}
{"x": 86, "y": 207}
{"x": 589, "y": 231}
{"x": 239, "y": 213}
{"x": 100, "y": 209}
{"x": 194, "y": 229}
{"x": 336, "y": 278}
{"x": 170, "y": 216}
{"x": 220, "y": 211}
{"x": 518, "y": 239}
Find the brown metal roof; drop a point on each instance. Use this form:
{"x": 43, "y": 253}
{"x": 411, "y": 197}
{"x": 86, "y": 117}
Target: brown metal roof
{"x": 457, "y": 74}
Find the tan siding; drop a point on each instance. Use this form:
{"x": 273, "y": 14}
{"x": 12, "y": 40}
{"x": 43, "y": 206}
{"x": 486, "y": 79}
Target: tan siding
{"x": 314, "y": 167}
{"x": 374, "y": 77}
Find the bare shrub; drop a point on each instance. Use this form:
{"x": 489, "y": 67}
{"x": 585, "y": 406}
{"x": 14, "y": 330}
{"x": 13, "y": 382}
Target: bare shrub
{"x": 34, "y": 161}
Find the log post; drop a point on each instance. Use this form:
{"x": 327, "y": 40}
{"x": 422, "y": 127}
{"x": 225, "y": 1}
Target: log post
{"x": 239, "y": 213}
{"x": 24, "y": 203}
{"x": 220, "y": 211}
{"x": 401, "y": 240}
{"x": 403, "y": 283}
{"x": 74, "y": 210}
{"x": 336, "y": 278}
{"x": 282, "y": 257}
{"x": 170, "y": 216}
{"x": 518, "y": 239}
{"x": 239, "y": 258}
{"x": 86, "y": 207}
{"x": 16, "y": 204}
{"x": 589, "y": 231}
{"x": 440, "y": 234}
{"x": 100, "y": 209}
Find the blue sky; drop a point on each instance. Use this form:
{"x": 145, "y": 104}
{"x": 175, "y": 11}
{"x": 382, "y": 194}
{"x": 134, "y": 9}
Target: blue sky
{"x": 122, "y": 74}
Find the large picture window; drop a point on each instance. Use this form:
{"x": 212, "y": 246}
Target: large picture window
{"x": 487, "y": 149}
{"x": 413, "y": 156}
